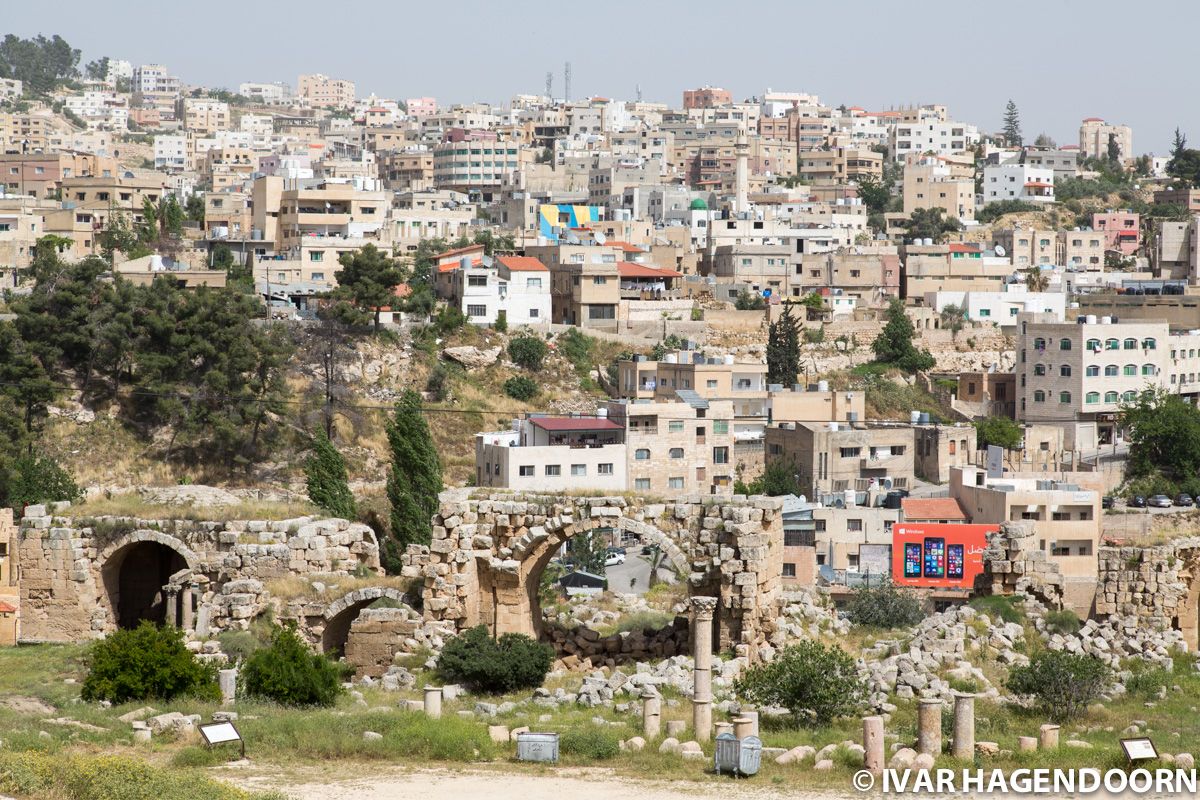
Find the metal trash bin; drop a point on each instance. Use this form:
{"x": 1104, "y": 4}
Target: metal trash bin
{"x": 737, "y": 756}
{"x": 537, "y": 747}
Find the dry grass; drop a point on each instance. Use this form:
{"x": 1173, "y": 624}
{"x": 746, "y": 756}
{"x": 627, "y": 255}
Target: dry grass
{"x": 296, "y": 587}
{"x": 133, "y": 505}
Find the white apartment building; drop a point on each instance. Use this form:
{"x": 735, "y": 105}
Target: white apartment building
{"x": 99, "y": 109}
{"x": 118, "y": 69}
{"x": 1018, "y": 182}
{"x": 1001, "y": 308}
{"x": 930, "y": 135}
{"x": 516, "y": 286}
{"x": 268, "y": 94}
{"x": 172, "y": 152}
{"x": 554, "y": 454}
{"x": 154, "y": 79}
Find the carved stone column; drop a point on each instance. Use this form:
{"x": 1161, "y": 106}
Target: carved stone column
{"x": 702, "y": 620}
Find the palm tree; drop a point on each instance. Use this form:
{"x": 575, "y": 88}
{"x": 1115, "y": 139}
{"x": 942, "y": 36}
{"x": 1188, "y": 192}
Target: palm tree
{"x": 1036, "y": 280}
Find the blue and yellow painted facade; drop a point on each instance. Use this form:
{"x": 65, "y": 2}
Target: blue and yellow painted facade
{"x": 553, "y": 219}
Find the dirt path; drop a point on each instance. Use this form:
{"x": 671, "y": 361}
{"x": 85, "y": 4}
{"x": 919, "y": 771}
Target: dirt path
{"x": 469, "y": 784}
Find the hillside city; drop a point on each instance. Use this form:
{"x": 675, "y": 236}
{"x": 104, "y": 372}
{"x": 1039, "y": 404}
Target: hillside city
{"x": 763, "y": 435}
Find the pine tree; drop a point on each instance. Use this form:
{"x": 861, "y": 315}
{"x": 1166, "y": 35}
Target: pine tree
{"x": 368, "y": 279}
{"x": 415, "y": 479}
{"x": 1012, "y": 125}
{"x": 325, "y": 472}
{"x": 894, "y": 345}
{"x": 783, "y": 348}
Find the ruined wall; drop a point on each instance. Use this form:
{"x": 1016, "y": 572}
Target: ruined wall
{"x": 1157, "y": 587}
{"x": 377, "y": 635}
{"x": 488, "y": 553}
{"x": 579, "y": 645}
{"x": 70, "y": 567}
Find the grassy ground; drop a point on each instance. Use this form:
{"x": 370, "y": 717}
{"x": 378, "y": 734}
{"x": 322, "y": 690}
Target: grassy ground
{"x": 132, "y": 505}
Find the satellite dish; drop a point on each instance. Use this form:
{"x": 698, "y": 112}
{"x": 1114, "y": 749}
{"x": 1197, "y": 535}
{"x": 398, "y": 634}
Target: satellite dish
{"x": 1000, "y": 250}
{"x": 599, "y": 237}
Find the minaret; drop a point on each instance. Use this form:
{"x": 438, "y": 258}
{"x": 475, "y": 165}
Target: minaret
{"x": 742, "y": 176}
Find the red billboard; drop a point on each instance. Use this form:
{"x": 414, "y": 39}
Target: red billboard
{"x": 936, "y": 555}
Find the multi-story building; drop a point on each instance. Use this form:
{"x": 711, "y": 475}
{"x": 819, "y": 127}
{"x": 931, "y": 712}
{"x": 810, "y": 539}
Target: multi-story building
{"x": 1081, "y": 249}
{"x": 680, "y": 447}
{"x": 173, "y": 153}
{"x": 934, "y": 135}
{"x": 267, "y": 94}
{"x": 1018, "y": 182}
{"x": 421, "y": 107}
{"x": 476, "y": 159}
{"x": 517, "y": 287}
{"x": 840, "y": 165}
{"x": 100, "y": 109}
{"x": 321, "y": 91}
{"x": 1122, "y": 230}
{"x": 154, "y": 79}
{"x": 204, "y": 116}
{"x": 1095, "y": 135}
{"x": 1028, "y": 247}
{"x": 840, "y": 544}
{"x": 323, "y": 222}
{"x": 933, "y": 182}
{"x": 999, "y": 307}
{"x": 1081, "y": 371}
{"x": 41, "y": 174}
{"x": 706, "y": 97}
{"x": 954, "y": 267}
{"x": 940, "y": 448}
{"x": 1064, "y": 161}
{"x": 831, "y": 458}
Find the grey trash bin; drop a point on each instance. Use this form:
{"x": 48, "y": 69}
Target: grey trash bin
{"x": 737, "y": 756}
{"x": 537, "y": 747}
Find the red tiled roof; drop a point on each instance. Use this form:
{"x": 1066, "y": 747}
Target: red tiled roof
{"x": 522, "y": 264}
{"x": 5, "y": 608}
{"x": 575, "y": 424}
{"x": 932, "y": 508}
{"x": 453, "y": 265}
{"x": 626, "y": 246}
{"x": 471, "y": 248}
{"x": 627, "y": 269}
{"x": 960, "y": 247}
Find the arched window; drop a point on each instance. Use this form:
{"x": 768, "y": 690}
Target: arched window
{"x": 1039, "y": 369}
{"x": 1092, "y": 397}
{"x": 1129, "y": 396}
{"x": 1093, "y": 371}
{"x": 1065, "y": 371}
{"x": 1111, "y": 371}
{"x": 1110, "y": 397}
{"x": 1112, "y": 344}
{"x": 1064, "y": 397}
{"x": 1149, "y": 344}
{"x": 1131, "y": 344}
{"x": 1039, "y": 343}
{"x": 1147, "y": 369}
{"x": 1039, "y": 396}
{"x": 676, "y": 452}
{"x": 1130, "y": 369}
{"x": 1093, "y": 345}
{"x": 641, "y": 454}
{"x": 1064, "y": 344}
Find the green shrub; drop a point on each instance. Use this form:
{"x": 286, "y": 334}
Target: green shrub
{"x": 239, "y": 645}
{"x": 514, "y": 661}
{"x": 1147, "y": 681}
{"x": 998, "y": 606}
{"x": 746, "y": 301}
{"x": 814, "y": 335}
{"x": 521, "y": 388}
{"x": 35, "y": 479}
{"x": 1065, "y": 622}
{"x": 817, "y": 684}
{"x": 291, "y": 674}
{"x": 592, "y": 743}
{"x": 1062, "y": 684}
{"x": 501, "y": 324}
{"x": 528, "y": 352}
{"x": 577, "y": 348}
{"x": 645, "y": 621}
{"x": 885, "y": 606}
{"x": 146, "y": 662}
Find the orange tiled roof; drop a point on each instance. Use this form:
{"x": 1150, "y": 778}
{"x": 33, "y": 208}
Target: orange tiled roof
{"x": 933, "y": 508}
{"x": 522, "y": 264}
{"x": 627, "y": 269}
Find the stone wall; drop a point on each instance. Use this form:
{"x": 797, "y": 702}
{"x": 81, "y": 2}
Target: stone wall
{"x": 488, "y": 553}
{"x": 1014, "y": 564}
{"x": 585, "y": 648}
{"x": 378, "y": 635}
{"x": 70, "y": 566}
{"x": 1154, "y": 587}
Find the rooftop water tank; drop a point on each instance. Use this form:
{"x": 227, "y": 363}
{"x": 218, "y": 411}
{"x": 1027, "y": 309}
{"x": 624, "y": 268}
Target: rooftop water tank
{"x": 914, "y": 418}
{"x": 1091, "y": 319}
{"x": 822, "y": 386}
{"x": 670, "y": 358}
{"x": 729, "y": 359}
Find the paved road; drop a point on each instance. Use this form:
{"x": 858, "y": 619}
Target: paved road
{"x": 637, "y": 569}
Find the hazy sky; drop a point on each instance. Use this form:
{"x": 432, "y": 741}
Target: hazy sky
{"x": 1060, "y": 60}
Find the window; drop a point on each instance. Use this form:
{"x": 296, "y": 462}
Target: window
{"x": 987, "y": 312}
{"x": 1039, "y": 343}
{"x": 1064, "y": 344}
{"x": 1039, "y": 369}
{"x": 712, "y": 384}
{"x": 533, "y": 283}
{"x": 534, "y": 313}
{"x": 1064, "y": 397}
{"x": 1110, "y": 397}
{"x": 1131, "y": 344}
{"x": 578, "y": 470}
{"x": 1112, "y": 344}
{"x": 720, "y": 426}
{"x": 602, "y": 312}
{"x": 1129, "y": 396}
{"x": 599, "y": 280}
{"x": 851, "y": 452}
{"x": 316, "y": 255}
{"x": 477, "y": 280}
{"x": 553, "y": 470}
{"x": 1092, "y": 397}
{"x": 674, "y": 483}
{"x": 675, "y": 452}
{"x": 789, "y": 570}
{"x": 1093, "y": 371}
{"x": 1130, "y": 369}
{"x": 526, "y": 471}
{"x": 604, "y": 469}
{"x": 1039, "y": 396}
{"x": 1148, "y": 344}
{"x": 476, "y": 311}
{"x": 1064, "y": 371}
{"x": 720, "y": 455}
{"x": 854, "y": 525}
{"x": 1111, "y": 371}
{"x": 641, "y": 484}
{"x": 1147, "y": 369}
{"x": 641, "y": 454}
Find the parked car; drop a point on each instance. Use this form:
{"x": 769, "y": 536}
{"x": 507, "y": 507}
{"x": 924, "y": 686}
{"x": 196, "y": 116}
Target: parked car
{"x": 620, "y": 550}
{"x": 1137, "y": 501}
{"x": 1108, "y": 501}
{"x": 614, "y": 559}
{"x": 1184, "y": 501}
{"x": 1159, "y": 501}
{"x": 648, "y": 549}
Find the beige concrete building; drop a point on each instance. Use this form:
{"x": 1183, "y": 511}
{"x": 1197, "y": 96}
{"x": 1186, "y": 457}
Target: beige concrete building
{"x": 321, "y": 91}
{"x": 1027, "y": 247}
{"x": 841, "y": 164}
{"x": 1063, "y": 507}
{"x": 41, "y": 175}
{"x": 1095, "y": 134}
{"x": 331, "y": 217}
{"x": 933, "y": 182}
{"x": 940, "y": 448}
{"x": 954, "y": 267}
{"x": 678, "y": 447}
{"x": 831, "y": 458}
{"x": 204, "y": 116}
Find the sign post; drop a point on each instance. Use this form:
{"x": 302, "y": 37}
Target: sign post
{"x": 221, "y": 732}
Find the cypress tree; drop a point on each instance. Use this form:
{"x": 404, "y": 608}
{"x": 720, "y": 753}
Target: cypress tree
{"x": 1012, "y": 125}
{"x": 415, "y": 479}
{"x": 325, "y": 471}
{"x": 783, "y": 348}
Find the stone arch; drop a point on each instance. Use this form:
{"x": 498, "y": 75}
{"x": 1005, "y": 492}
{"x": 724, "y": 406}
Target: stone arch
{"x": 341, "y": 613}
{"x": 135, "y": 568}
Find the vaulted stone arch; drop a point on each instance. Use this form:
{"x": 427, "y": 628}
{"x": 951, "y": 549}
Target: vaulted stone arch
{"x": 134, "y": 570}
{"x": 341, "y": 613}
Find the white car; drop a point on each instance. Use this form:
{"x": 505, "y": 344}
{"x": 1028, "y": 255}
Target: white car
{"x": 614, "y": 559}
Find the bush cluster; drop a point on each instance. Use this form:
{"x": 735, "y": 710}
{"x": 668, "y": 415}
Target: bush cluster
{"x": 1062, "y": 684}
{"x": 291, "y": 674}
{"x": 1065, "y": 622}
{"x": 885, "y": 606}
{"x": 528, "y": 352}
{"x": 591, "y": 743}
{"x": 816, "y": 683}
{"x": 514, "y": 661}
{"x": 521, "y": 388}
{"x": 146, "y": 662}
